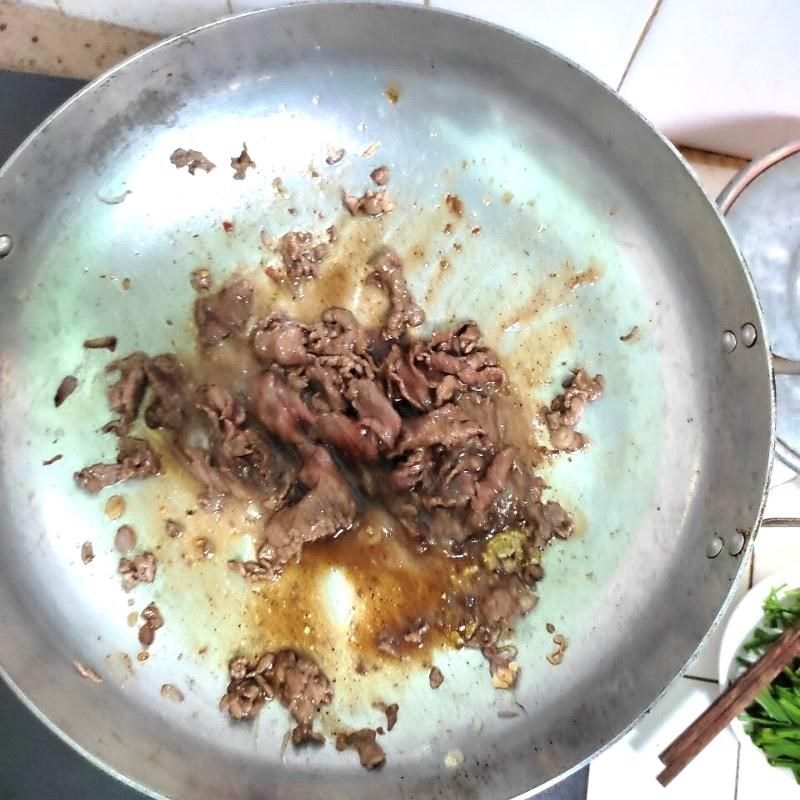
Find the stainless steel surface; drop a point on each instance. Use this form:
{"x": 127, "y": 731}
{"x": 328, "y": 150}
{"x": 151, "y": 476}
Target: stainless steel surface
{"x": 761, "y": 206}
{"x": 561, "y": 177}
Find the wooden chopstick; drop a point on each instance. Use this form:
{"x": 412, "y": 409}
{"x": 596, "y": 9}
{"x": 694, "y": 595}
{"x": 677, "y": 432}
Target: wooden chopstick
{"x": 735, "y": 699}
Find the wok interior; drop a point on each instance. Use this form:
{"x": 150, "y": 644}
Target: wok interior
{"x": 562, "y": 180}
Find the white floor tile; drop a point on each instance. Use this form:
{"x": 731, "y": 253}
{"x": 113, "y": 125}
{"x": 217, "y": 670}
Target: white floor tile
{"x": 628, "y": 770}
{"x": 706, "y": 664}
{"x": 720, "y": 75}
{"x": 784, "y": 500}
{"x": 601, "y": 37}
{"x": 776, "y": 549}
{"x": 781, "y": 474}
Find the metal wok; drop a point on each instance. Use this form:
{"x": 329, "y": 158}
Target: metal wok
{"x": 561, "y": 177}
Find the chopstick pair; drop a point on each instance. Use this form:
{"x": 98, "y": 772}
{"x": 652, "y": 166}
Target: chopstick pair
{"x": 732, "y": 702}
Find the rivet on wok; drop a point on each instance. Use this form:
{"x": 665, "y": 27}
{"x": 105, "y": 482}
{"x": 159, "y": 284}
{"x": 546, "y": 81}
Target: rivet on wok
{"x": 729, "y": 341}
{"x": 714, "y": 546}
{"x": 5, "y": 245}
{"x": 736, "y": 543}
{"x": 749, "y": 334}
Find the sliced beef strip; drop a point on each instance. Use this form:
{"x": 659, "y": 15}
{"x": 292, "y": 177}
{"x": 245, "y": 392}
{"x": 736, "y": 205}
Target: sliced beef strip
{"x": 327, "y": 509}
{"x": 224, "y": 313}
{"x": 126, "y": 393}
{"x": 375, "y": 411}
{"x": 494, "y": 480}
{"x": 460, "y": 352}
{"x": 135, "y": 459}
{"x": 279, "y": 408}
{"x": 241, "y": 460}
{"x": 405, "y": 379}
{"x": 167, "y": 380}
{"x": 447, "y": 426}
{"x": 404, "y": 313}
{"x": 282, "y": 341}
{"x": 348, "y": 436}
{"x": 363, "y": 741}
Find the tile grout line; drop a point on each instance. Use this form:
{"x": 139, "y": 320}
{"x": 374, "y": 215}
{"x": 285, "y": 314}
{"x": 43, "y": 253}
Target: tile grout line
{"x": 640, "y": 41}
{"x": 738, "y": 759}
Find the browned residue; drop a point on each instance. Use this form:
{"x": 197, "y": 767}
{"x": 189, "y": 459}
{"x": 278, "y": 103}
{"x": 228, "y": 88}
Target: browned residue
{"x": 392, "y": 93}
{"x": 454, "y": 203}
{"x": 554, "y": 290}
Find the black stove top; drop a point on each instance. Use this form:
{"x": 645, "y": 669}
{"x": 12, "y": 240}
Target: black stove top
{"x": 34, "y": 763}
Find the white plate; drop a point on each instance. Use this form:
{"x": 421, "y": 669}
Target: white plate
{"x": 744, "y": 619}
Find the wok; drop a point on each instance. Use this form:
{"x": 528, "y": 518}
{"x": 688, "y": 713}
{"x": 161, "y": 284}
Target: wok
{"x": 563, "y": 179}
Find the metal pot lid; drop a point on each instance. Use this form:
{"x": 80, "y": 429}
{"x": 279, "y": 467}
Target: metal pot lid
{"x": 762, "y": 208}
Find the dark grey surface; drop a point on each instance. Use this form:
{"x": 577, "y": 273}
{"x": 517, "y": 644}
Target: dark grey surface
{"x": 34, "y": 763}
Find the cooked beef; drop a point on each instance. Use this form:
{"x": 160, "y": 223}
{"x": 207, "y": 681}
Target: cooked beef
{"x": 201, "y": 280}
{"x": 404, "y": 312}
{"x": 87, "y": 553}
{"x": 125, "y": 538}
{"x": 125, "y": 395}
{"x": 166, "y": 378}
{"x": 302, "y": 687}
{"x": 193, "y": 159}
{"x": 334, "y": 156}
{"x": 495, "y": 479}
{"x": 241, "y": 164}
{"x": 447, "y": 427}
{"x": 405, "y": 379}
{"x": 566, "y": 410}
{"x": 363, "y": 741}
{"x": 139, "y": 569}
{"x": 327, "y": 509}
{"x": 380, "y": 175}
{"x": 101, "y": 343}
{"x": 503, "y": 666}
{"x": 65, "y": 389}
{"x": 152, "y": 622}
{"x": 224, "y": 313}
{"x": 282, "y": 341}
{"x": 373, "y": 204}
{"x": 351, "y": 438}
{"x": 435, "y": 678}
{"x": 327, "y": 418}
{"x": 295, "y": 679}
{"x": 460, "y": 353}
{"x": 135, "y": 459}
{"x": 375, "y": 411}
{"x": 391, "y": 712}
{"x": 301, "y": 257}
{"x": 279, "y": 408}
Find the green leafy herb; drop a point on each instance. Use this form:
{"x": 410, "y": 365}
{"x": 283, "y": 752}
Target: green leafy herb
{"x": 773, "y": 720}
